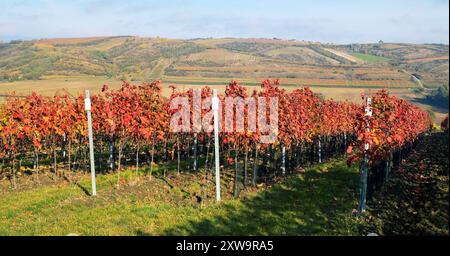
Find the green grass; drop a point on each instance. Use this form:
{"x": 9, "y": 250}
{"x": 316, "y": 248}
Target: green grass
{"x": 370, "y": 58}
{"x": 318, "y": 202}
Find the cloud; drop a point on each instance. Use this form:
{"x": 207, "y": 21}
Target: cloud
{"x": 324, "y": 20}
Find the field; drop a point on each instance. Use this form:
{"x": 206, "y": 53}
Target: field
{"x": 349, "y": 57}
{"x": 51, "y": 85}
{"x": 370, "y": 58}
{"x": 138, "y": 58}
{"x": 317, "y": 202}
{"x": 77, "y": 84}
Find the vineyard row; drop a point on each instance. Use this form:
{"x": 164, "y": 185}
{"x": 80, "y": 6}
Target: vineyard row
{"x": 134, "y": 121}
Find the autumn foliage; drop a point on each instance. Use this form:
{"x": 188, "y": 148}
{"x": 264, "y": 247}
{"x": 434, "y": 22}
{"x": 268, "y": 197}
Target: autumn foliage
{"x": 138, "y": 116}
{"x": 394, "y": 123}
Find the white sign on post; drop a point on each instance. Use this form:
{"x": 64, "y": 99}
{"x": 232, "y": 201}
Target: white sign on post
{"x": 368, "y": 113}
{"x": 87, "y": 104}
{"x": 368, "y": 109}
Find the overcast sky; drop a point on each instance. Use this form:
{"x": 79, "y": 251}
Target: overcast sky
{"x": 343, "y": 21}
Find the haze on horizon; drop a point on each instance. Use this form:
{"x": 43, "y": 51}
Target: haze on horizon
{"x": 347, "y": 21}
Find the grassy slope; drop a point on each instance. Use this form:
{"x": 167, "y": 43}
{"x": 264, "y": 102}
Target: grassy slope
{"x": 317, "y": 202}
{"x": 370, "y": 58}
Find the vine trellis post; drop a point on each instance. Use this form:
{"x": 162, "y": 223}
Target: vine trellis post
{"x": 215, "y": 108}
{"x": 87, "y": 107}
{"x": 365, "y": 163}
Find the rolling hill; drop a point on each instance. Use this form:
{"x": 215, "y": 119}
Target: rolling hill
{"x": 138, "y": 58}
{"x": 336, "y": 71}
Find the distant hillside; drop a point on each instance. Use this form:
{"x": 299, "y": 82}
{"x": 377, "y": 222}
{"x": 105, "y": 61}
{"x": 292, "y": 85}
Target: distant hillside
{"x": 112, "y": 56}
{"x": 138, "y": 58}
{"x": 429, "y": 62}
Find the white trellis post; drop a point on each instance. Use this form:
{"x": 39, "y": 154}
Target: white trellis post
{"x": 365, "y": 163}
{"x": 283, "y": 160}
{"x": 195, "y": 152}
{"x": 320, "y": 150}
{"x": 87, "y": 107}
{"x": 215, "y": 108}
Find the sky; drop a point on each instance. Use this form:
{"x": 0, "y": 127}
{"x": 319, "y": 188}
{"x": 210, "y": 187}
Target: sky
{"x": 327, "y": 21}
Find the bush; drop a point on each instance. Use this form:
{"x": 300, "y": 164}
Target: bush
{"x": 439, "y": 97}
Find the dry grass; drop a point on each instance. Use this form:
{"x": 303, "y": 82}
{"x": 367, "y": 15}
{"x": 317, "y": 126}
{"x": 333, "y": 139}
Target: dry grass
{"x": 55, "y": 41}
{"x": 345, "y": 55}
{"x": 77, "y": 84}
{"x": 108, "y": 44}
{"x": 428, "y": 59}
{"x": 53, "y": 84}
{"x": 222, "y": 57}
{"x": 307, "y": 53}
{"x": 212, "y": 42}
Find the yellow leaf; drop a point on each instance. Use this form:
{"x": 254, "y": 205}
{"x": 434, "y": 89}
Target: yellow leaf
{"x": 376, "y": 141}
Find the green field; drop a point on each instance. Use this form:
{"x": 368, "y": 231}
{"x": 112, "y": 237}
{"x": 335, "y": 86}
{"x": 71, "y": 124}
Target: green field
{"x": 319, "y": 201}
{"x": 370, "y": 58}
